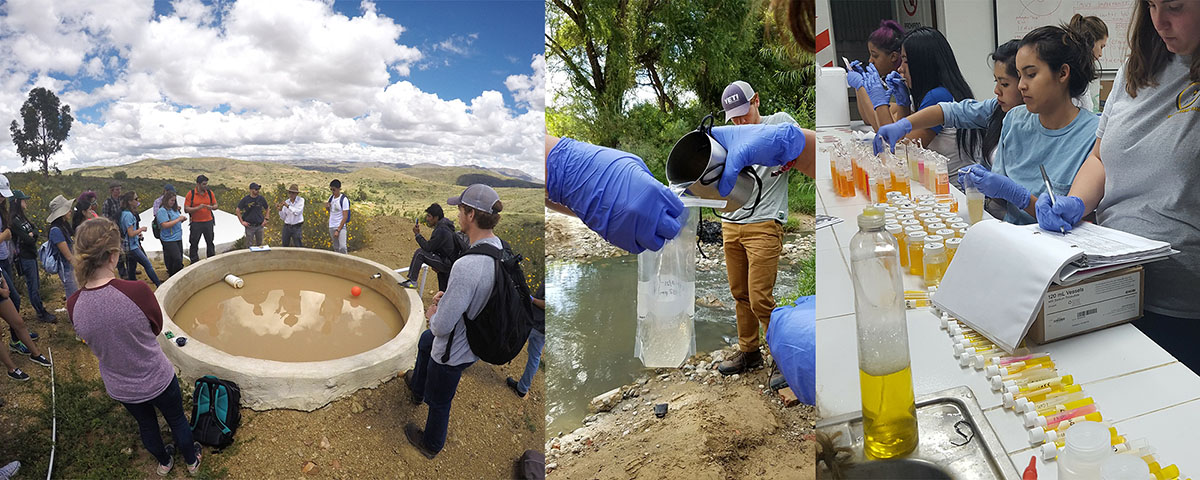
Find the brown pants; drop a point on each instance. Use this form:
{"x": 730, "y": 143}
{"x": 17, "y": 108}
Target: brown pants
{"x": 752, "y": 260}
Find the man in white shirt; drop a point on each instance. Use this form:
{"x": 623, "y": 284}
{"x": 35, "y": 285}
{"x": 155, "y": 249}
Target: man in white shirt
{"x": 291, "y": 210}
{"x": 338, "y": 207}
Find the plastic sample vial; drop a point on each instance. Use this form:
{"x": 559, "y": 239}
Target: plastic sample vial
{"x": 885, "y": 373}
{"x": 935, "y": 263}
{"x": 916, "y": 262}
{"x": 1124, "y": 466}
{"x": 974, "y": 204}
{"x": 898, "y": 233}
{"x": 1088, "y": 445}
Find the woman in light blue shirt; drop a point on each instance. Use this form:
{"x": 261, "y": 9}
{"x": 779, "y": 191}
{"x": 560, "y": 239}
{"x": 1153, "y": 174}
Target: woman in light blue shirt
{"x": 132, "y": 239}
{"x": 170, "y": 224}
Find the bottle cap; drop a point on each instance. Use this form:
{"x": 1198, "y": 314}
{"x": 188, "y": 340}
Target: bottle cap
{"x": 1124, "y": 466}
{"x": 871, "y": 218}
{"x": 1007, "y": 400}
{"x": 977, "y": 362}
{"x": 1088, "y": 441}
{"x": 1024, "y": 405}
{"x": 935, "y": 226}
{"x": 965, "y": 360}
{"x": 934, "y": 239}
{"x": 1037, "y": 435}
{"x": 953, "y": 242}
{"x": 916, "y": 236}
{"x": 958, "y": 349}
{"x": 1010, "y": 384}
{"x": 893, "y": 228}
{"x": 1030, "y": 418}
{"x": 947, "y": 233}
{"x": 1039, "y": 420}
{"x": 1012, "y": 389}
{"x": 1049, "y": 450}
{"x": 994, "y": 381}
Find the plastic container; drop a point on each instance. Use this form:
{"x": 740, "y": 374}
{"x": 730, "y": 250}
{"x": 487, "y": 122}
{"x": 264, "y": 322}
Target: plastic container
{"x": 1124, "y": 467}
{"x": 935, "y": 263}
{"x": 1088, "y": 445}
{"x": 235, "y": 281}
{"x": 666, "y": 303}
{"x": 915, "y": 243}
{"x": 885, "y": 374}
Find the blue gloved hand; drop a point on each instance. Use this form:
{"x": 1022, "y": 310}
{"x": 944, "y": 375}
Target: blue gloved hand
{"x": 875, "y": 89}
{"x": 614, "y": 194}
{"x": 854, "y": 75}
{"x": 1060, "y": 217}
{"x": 891, "y": 133}
{"x": 996, "y": 185}
{"x": 895, "y": 81}
{"x": 769, "y": 145}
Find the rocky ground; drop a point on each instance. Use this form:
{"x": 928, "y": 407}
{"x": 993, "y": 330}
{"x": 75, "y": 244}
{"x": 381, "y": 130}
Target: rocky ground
{"x": 716, "y": 427}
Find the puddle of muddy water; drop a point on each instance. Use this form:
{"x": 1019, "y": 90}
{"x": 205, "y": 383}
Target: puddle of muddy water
{"x": 289, "y": 316}
{"x": 591, "y": 323}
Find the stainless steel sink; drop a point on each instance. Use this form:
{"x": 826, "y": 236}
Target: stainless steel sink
{"x": 903, "y": 469}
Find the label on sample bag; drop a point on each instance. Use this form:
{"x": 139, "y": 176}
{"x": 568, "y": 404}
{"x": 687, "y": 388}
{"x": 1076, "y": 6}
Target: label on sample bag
{"x": 1091, "y": 305}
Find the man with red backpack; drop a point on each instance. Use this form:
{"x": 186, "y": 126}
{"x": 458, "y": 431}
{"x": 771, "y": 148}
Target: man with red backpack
{"x": 199, "y": 204}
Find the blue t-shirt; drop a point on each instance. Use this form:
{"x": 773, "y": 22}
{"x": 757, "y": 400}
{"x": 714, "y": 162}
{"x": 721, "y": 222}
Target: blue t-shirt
{"x": 172, "y": 233}
{"x": 128, "y": 219}
{"x": 1025, "y": 144}
{"x": 934, "y": 97}
{"x": 58, "y": 236}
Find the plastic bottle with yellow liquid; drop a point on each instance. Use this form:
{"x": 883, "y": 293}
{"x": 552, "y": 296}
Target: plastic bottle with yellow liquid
{"x": 885, "y": 375}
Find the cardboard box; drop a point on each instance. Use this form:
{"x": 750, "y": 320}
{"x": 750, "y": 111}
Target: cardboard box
{"x": 1099, "y": 302}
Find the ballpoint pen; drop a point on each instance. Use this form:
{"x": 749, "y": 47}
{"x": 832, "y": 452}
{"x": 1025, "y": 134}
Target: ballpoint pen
{"x": 1050, "y": 191}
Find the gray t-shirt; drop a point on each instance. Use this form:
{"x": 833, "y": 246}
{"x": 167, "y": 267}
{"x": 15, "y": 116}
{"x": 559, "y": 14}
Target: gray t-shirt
{"x": 470, "y": 285}
{"x": 1150, "y": 149}
{"x": 774, "y": 203}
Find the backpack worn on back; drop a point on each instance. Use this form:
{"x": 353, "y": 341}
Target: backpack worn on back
{"x": 216, "y": 411}
{"x": 500, "y": 330}
{"x": 155, "y": 227}
{"x": 48, "y": 257}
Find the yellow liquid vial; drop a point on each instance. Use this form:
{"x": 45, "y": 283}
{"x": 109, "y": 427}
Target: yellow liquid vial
{"x": 974, "y": 206}
{"x": 903, "y": 250}
{"x": 942, "y": 183}
{"x": 889, "y": 414}
{"x": 933, "y": 272}
{"x": 916, "y": 257}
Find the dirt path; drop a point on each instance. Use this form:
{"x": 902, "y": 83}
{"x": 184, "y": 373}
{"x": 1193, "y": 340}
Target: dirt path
{"x": 716, "y": 427}
{"x": 357, "y": 437}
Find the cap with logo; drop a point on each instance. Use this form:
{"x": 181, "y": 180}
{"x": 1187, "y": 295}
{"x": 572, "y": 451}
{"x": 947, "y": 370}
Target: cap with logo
{"x": 478, "y": 196}
{"x": 736, "y": 99}
{"x": 4, "y": 187}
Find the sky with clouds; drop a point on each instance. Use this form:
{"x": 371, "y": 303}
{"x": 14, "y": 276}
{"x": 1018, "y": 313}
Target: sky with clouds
{"x": 447, "y": 82}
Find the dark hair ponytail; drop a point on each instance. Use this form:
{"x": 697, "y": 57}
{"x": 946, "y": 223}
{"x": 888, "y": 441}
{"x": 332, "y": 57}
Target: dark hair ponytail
{"x": 1058, "y": 46}
{"x": 889, "y": 37}
{"x": 1093, "y": 29}
{"x": 1006, "y": 54}
{"x": 931, "y": 64}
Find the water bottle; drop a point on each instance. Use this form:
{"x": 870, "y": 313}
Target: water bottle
{"x": 889, "y": 407}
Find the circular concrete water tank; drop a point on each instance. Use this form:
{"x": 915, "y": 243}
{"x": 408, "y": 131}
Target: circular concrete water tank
{"x": 268, "y": 384}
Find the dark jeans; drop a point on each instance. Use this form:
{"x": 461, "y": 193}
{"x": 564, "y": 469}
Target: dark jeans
{"x": 173, "y": 256}
{"x": 29, "y": 270}
{"x": 135, "y": 257}
{"x": 436, "y": 383}
{"x": 1175, "y": 335}
{"x": 198, "y": 229}
{"x": 292, "y": 235}
{"x": 436, "y": 262}
{"x": 170, "y": 403}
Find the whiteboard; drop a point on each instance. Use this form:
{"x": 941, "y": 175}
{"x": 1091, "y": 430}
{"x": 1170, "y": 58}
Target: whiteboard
{"x": 1015, "y": 18}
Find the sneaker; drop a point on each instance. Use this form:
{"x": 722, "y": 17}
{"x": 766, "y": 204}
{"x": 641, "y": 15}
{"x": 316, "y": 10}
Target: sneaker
{"x": 163, "y": 470}
{"x": 10, "y": 470}
{"x": 40, "y": 360}
{"x": 740, "y": 362}
{"x": 408, "y": 284}
{"x": 33, "y": 335}
{"x": 195, "y": 467}
{"x": 47, "y": 318}
{"x": 19, "y": 347}
{"x": 416, "y": 400}
{"x": 18, "y": 375}
{"x": 515, "y": 387}
{"x": 417, "y": 438}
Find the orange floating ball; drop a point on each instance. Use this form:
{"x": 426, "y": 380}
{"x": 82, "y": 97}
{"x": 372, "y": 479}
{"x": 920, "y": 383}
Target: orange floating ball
{"x": 355, "y": 290}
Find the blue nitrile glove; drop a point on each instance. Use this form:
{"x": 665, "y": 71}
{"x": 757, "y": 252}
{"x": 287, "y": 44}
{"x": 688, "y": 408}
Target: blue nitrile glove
{"x": 875, "y": 89}
{"x": 895, "y": 81}
{"x": 891, "y": 133}
{"x": 996, "y": 185}
{"x": 1060, "y": 217}
{"x": 854, "y": 75}
{"x": 614, "y": 194}
{"x": 745, "y": 145}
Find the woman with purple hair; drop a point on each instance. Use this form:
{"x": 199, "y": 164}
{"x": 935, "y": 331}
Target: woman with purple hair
{"x": 884, "y": 48}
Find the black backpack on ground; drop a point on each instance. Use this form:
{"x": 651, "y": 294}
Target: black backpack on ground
{"x": 501, "y": 329}
{"x": 216, "y": 411}
{"x": 531, "y": 466}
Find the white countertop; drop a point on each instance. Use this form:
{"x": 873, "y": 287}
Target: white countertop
{"x": 1139, "y": 388}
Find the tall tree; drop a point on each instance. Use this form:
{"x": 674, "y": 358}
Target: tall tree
{"x": 45, "y": 127}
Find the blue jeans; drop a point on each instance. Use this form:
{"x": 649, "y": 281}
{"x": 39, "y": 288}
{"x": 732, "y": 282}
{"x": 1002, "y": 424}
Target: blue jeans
{"x": 66, "y": 274}
{"x": 29, "y": 270}
{"x": 534, "y": 348}
{"x": 436, "y": 383}
{"x": 170, "y": 403}
{"x": 6, "y": 267}
{"x": 135, "y": 257}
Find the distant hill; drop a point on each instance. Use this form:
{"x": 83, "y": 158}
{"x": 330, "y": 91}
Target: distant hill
{"x": 494, "y": 182}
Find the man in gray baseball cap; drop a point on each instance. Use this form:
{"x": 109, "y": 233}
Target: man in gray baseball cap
{"x": 443, "y": 351}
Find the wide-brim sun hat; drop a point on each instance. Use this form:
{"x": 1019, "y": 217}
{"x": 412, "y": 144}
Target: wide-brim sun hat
{"x": 58, "y": 207}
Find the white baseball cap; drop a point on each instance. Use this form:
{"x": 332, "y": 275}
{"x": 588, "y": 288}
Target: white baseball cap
{"x": 4, "y": 188}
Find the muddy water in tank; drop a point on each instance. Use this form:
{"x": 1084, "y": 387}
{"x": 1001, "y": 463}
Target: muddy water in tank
{"x": 290, "y": 316}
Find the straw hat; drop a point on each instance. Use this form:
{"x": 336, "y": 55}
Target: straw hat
{"x": 294, "y": 188}
{"x": 58, "y": 207}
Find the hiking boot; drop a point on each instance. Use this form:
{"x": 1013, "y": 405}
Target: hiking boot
{"x": 740, "y": 362}
{"x": 777, "y": 382}
{"x": 408, "y": 284}
{"x": 47, "y": 317}
{"x": 19, "y": 347}
{"x": 515, "y": 388}
{"x": 195, "y": 467}
{"x": 408, "y": 383}
{"x": 40, "y": 360}
{"x": 417, "y": 438}
{"x": 18, "y": 375}
{"x": 163, "y": 470}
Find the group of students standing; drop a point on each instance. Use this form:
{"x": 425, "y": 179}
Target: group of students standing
{"x": 1131, "y": 167}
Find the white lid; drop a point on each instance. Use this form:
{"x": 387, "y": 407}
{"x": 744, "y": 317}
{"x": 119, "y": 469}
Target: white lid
{"x": 1049, "y": 450}
{"x": 1030, "y": 418}
{"x": 993, "y": 371}
{"x": 1121, "y": 467}
{"x": 934, "y": 238}
{"x": 1012, "y": 389}
{"x": 1040, "y": 420}
{"x": 1008, "y": 399}
{"x": 965, "y": 359}
{"x": 914, "y": 236}
{"x": 904, "y": 211}
{"x": 893, "y": 228}
{"x": 978, "y": 361}
{"x": 958, "y": 349}
{"x": 945, "y": 232}
{"x": 1011, "y": 384}
{"x": 1088, "y": 441}
{"x": 994, "y": 380}
{"x": 1037, "y": 435}
{"x": 1024, "y": 405}
{"x": 953, "y": 242}
{"x": 960, "y": 225}
{"x": 937, "y": 226}
{"x": 933, "y": 247}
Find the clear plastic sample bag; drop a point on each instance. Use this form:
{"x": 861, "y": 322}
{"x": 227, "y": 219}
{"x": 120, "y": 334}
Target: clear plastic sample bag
{"x": 666, "y": 303}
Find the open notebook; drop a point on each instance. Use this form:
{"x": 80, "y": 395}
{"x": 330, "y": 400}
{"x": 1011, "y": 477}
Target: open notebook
{"x": 1001, "y": 272}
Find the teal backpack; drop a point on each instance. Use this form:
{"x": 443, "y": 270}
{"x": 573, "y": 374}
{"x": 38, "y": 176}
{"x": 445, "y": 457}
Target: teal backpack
{"x": 216, "y": 411}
